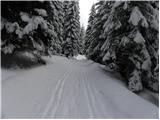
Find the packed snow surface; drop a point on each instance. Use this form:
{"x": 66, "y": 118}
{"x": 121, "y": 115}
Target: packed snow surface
{"x": 70, "y": 88}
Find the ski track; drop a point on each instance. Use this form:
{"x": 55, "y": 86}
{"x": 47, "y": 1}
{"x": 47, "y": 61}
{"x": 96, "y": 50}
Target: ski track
{"x": 56, "y": 96}
{"x": 96, "y": 106}
{"x": 90, "y": 105}
{"x": 74, "y": 94}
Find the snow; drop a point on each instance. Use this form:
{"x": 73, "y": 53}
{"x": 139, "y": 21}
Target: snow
{"x": 80, "y": 57}
{"x": 41, "y": 12}
{"x": 8, "y": 49}
{"x": 135, "y": 83}
{"x": 125, "y": 6}
{"x": 2, "y": 23}
{"x": 117, "y": 4}
{"x": 105, "y": 45}
{"x": 10, "y": 27}
{"x": 25, "y": 17}
{"x": 136, "y": 17}
{"x": 111, "y": 23}
{"x": 125, "y": 40}
{"x": 139, "y": 38}
{"x": 70, "y": 88}
{"x": 147, "y": 63}
{"x": 155, "y": 25}
{"x": 107, "y": 56}
{"x": 33, "y": 23}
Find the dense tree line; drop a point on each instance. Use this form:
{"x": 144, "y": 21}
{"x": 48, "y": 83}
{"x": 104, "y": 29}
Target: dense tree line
{"x": 124, "y": 36}
{"x": 39, "y": 28}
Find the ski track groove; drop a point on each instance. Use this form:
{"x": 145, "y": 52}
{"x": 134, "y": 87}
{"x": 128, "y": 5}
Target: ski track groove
{"x": 52, "y": 106}
{"x": 94, "y": 99}
{"x": 74, "y": 95}
{"x": 77, "y": 93}
{"x": 61, "y": 101}
{"x": 54, "y": 109}
{"x": 87, "y": 94}
{"x": 90, "y": 94}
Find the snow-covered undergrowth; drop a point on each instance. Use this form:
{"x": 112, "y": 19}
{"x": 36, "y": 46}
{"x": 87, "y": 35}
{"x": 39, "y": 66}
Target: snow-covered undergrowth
{"x": 22, "y": 59}
{"x": 69, "y": 88}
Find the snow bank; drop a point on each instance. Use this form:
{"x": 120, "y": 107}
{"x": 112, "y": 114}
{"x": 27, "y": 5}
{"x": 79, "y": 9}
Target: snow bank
{"x": 80, "y": 57}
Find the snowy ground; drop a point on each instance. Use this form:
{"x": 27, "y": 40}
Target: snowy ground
{"x": 70, "y": 88}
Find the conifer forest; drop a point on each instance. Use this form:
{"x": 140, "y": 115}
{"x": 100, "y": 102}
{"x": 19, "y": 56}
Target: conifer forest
{"x": 55, "y": 66}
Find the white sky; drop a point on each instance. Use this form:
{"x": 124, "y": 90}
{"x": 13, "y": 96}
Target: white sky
{"x": 85, "y": 7}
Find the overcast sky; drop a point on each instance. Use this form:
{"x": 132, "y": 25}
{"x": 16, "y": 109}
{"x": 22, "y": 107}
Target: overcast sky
{"x": 85, "y": 7}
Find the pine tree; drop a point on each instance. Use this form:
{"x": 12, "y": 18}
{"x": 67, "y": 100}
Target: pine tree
{"x": 131, "y": 42}
{"x": 71, "y": 28}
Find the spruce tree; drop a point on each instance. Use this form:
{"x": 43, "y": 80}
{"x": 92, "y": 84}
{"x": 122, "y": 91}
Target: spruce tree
{"x": 81, "y": 40}
{"x": 28, "y": 26}
{"x": 131, "y": 42}
{"x": 71, "y": 28}
{"x": 57, "y": 15}
{"x": 103, "y": 10}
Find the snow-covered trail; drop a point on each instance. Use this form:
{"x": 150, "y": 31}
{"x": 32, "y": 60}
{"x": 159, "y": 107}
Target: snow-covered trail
{"x": 70, "y": 89}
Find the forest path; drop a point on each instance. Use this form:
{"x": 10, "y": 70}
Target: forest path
{"x": 68, "y": 88}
